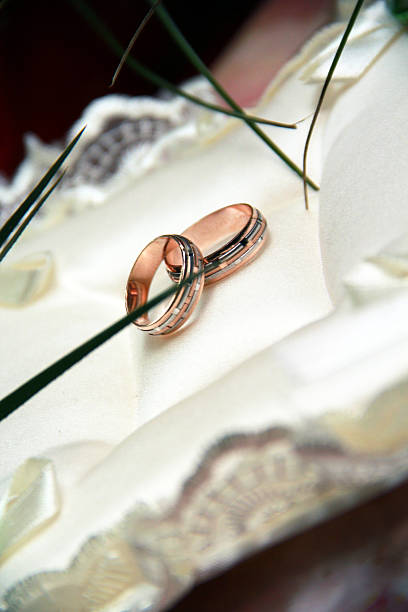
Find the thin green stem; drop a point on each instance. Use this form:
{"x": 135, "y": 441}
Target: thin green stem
{"x": 13, "y": 221}
{"x": 106, "y": 35}
{"x": 28, "y": 218}
{"x": 334, "y": 63}
{"x": 196, "y": 61}
{"x": 134, "y": 38}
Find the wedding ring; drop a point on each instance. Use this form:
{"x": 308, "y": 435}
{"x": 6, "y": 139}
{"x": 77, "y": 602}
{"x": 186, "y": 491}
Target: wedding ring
{"x": 188, "y": 261}
{"x": 229, "y": 238}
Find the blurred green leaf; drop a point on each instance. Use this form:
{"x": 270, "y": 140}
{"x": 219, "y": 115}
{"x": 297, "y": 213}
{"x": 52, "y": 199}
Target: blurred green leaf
{"x": 105, "y": 34}
{"x": 399, "y": 8}
{"x": 196, "y": 61}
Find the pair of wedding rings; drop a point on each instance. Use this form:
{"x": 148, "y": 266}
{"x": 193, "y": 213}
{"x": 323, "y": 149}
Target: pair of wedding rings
{"x": 239, "y": 229}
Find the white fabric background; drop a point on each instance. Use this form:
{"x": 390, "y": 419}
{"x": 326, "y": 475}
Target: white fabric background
{"x": 161, "y": 402}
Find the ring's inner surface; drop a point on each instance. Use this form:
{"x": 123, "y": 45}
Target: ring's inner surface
{"x": 144, "y": 270}
{"x": 211, "y": 234}
{"x": 217, "y": 228}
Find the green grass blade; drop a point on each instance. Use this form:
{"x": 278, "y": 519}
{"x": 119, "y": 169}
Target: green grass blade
{"x": 13, "y": 221}
{"x": 106, "y": 35}
{"x": 196, "y": 61}
{"x": 22, "y": 394}
{"x": 134, "y": 38}
{"x": 332, "y": 68}
{"x": 26, "y": 221}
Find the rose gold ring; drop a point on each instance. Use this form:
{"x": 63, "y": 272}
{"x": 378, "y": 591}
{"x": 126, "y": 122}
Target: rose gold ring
{"x": 239, "y": 228}
{"x": 188, "y": 261}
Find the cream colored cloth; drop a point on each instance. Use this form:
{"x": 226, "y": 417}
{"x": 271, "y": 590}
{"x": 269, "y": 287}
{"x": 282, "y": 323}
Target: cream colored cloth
{"x": 228, "y": 398}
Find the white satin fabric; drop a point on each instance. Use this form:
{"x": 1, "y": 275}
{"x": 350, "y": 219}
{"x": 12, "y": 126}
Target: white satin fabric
{"x": 126, "y": 427}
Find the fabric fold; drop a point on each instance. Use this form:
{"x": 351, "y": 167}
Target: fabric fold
{"x": 29, "y": 503}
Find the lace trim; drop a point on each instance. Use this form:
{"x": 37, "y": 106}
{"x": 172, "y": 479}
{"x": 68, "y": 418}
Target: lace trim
{"x": 125, "y": 137}
{"x": 249, "y": 491}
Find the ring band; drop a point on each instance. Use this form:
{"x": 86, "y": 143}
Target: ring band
{"x": 188, "y": 260}
{"x": 248, "y": 226}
